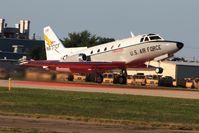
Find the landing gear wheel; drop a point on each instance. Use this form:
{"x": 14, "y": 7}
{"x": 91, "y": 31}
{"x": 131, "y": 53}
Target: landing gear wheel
{"x": 99, "y": 79}
{"x": 70, "y": 77}
{"x": 159, "y": 70}
{"x": 122, "y": 80}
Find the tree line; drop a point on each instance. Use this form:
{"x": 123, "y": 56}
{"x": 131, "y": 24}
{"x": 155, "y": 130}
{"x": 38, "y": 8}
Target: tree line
{"x": 74, "y": 39}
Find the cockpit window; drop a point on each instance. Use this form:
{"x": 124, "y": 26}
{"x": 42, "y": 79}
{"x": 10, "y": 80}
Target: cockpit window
{"x": 141, "y": 40}
{"x": 151, "y": 34}
{"x": 154, "y": 38}
{"x": 146, "y": 39}
{"x": 150, "y": 37}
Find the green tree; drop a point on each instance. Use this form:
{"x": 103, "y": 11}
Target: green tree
{"x": 37, "y": 53}
{"x": 102, "y": 40}
{"x": 83, "y": 39}
{"x": 80, "y": 39}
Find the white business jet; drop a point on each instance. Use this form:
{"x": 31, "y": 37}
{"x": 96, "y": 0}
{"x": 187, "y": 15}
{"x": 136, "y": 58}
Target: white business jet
{"x": 132, "y": 52}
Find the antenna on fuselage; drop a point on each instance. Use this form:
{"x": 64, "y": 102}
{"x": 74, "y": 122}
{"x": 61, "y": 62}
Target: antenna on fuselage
{"x": 132, "y": 35}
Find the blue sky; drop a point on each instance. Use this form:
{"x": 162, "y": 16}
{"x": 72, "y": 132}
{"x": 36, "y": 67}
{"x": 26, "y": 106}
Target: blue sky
{"x": 176, "y": 20}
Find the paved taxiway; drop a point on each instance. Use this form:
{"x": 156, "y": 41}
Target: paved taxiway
{"x": 69, "y": 126}
{"x": 103, "y": 89}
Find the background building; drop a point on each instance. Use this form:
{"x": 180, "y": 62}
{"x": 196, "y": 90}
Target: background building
{"x": 15, "y": 42}
{"x": 175, "y": 69}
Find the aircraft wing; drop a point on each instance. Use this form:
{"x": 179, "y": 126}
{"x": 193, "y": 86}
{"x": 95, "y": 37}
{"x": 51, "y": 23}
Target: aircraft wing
{"x": 84, "y": 66}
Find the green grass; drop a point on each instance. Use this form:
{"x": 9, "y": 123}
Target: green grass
{"x": 16, "y": 130}
{"x": 99, "y": 106}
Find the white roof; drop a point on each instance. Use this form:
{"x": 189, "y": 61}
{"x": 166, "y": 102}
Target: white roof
{"x": 180, "y": 63}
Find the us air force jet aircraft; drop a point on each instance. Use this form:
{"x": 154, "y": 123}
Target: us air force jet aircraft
{"x": 132, "y": 52}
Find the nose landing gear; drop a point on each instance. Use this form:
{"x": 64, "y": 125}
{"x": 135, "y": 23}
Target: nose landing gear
{"x": 159, "y": 70}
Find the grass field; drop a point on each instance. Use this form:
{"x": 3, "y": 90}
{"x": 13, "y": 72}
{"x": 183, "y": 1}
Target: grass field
{"x": 6, "y": 130}
{"x": 99, "y": 106}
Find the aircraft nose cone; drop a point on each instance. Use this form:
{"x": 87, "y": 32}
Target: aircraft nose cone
{"x": 179, "y": 45}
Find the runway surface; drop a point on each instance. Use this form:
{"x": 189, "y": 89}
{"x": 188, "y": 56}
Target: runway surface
{"x": 58, "y": 125}
{"x": 103, "y": 89}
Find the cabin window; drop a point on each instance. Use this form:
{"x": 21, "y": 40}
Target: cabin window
{"x": 119, "y": 45}
{"x": 105, "y": 48}
{"x": 112, "y": 47}
{"x": 91, "y": 52}
{"x": 98, "y": 50}
{"x": 146, "y": 39}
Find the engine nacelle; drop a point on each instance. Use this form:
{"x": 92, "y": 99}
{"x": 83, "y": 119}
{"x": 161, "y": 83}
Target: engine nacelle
{"x": 82, "y": 57}
{"x": 75, "y": 58}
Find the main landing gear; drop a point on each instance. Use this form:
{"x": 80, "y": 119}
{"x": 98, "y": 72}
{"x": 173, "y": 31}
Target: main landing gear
{"x": 99, "y": 78}
{"x": 118, "y": 79}
{"x": 121, "y": 79}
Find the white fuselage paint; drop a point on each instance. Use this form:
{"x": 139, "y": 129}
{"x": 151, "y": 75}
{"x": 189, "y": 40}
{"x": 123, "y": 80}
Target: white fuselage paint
{"x": 130, "y": 50}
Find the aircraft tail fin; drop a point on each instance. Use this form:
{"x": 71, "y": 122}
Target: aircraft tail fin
{"x": 54, "y": 47}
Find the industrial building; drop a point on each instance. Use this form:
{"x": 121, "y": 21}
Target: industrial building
{"x": 20, "y": 31}
{"x": 15, "y": 42}
{"x": 176, "y": 69}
